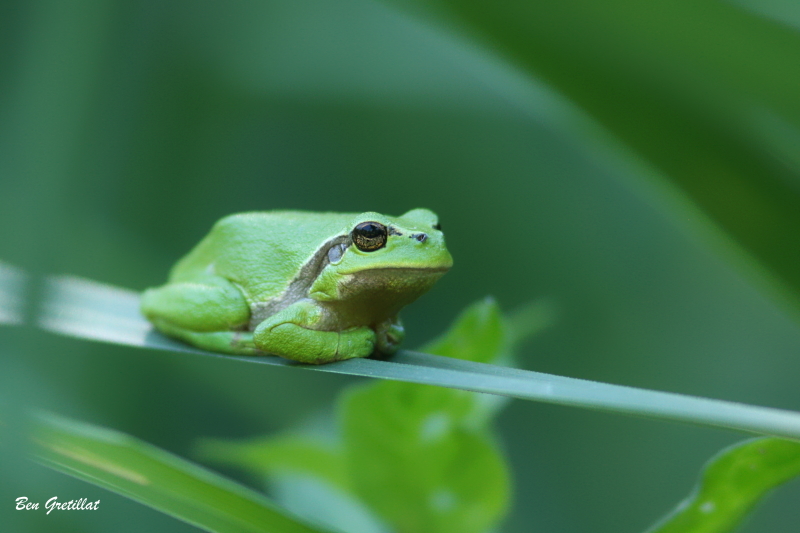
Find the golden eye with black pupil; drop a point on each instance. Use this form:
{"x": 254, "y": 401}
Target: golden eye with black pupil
{"x": 370, "y": 236}
{"x": 437, "y": 226}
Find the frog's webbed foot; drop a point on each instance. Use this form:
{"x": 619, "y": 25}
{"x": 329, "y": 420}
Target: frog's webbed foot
{"x": 389, "y": 334}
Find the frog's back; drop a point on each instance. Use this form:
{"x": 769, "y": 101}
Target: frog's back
{"x": 261, "y": 252}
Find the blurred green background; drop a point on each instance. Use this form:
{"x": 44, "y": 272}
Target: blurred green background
{"x": 128, "y": 128}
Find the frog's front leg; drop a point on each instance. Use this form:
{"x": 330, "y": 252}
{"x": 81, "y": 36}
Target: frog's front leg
{"x": 288, "y": 334}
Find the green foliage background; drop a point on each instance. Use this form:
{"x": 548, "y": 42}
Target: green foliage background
{"x": 128, "y": 128}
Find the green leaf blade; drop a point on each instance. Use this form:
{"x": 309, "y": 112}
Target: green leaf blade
{"x": 89, "y": 310}
{"x": 731, "y": 484}
{"x": 156, "y": 478}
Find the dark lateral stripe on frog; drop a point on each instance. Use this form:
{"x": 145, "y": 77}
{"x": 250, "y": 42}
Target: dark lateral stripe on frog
{"x": 300, "y": 285}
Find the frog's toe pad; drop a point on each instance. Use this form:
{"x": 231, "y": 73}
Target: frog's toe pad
{"x": 358, "y": 342}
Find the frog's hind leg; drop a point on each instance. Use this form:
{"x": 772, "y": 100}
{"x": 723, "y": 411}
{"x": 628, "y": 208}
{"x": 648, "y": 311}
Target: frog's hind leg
{"x": 233, "y": 342}
{"x": 210, "y": 314}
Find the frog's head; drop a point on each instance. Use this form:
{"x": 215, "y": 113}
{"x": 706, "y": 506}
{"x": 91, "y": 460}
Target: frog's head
{"x": 413, "y": 241}
{"x": 389, "y": 259}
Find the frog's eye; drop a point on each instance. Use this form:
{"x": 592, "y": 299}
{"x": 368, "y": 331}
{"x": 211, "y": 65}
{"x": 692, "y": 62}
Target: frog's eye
{"x": 370, "y": 236}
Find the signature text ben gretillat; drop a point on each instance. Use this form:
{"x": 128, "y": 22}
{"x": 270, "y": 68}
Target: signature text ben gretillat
{"x": 53, "y": 504}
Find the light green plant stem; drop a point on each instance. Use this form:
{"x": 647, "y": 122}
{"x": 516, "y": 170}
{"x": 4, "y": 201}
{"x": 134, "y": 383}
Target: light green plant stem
{"x": 88, "y": 310}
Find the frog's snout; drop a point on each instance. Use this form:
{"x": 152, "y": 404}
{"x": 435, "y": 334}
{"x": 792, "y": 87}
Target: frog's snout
{"x": 421, "y": 237}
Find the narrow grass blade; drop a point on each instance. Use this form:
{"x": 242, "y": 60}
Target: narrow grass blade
{"x": 88, "y": 310}
{"x": 149, "y": 475}
{"x": 731, "y": 484}
{"x": 12, "y": 294}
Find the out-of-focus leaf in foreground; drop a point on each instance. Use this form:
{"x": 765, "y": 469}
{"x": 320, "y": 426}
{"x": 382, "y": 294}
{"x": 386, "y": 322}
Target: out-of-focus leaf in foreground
{"x": 12, "y": 294}
{"x": 731, "y": 484}
{"x": 702, "y": 91}
{"x": 149, "y": 475}
{"x": 421, "y": 458}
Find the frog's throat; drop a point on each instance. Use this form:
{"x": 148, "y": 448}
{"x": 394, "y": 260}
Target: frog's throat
{"x": 372, "y": 296}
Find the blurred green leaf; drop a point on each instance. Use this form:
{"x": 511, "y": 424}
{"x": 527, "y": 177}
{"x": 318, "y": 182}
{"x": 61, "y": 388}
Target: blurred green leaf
{"x": 479, "y": 334}
{"x": 686, "y": 86}
{"x": 482, "y": 334}
{"x": 415, "y": 462}
{"x": 731, "y": 484}
{"x": 149, "y": 475}
{"x": 280, "y": 454}
{"x": 424, "y": 458}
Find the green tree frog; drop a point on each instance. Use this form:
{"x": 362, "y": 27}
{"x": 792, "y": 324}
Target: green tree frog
{"x": 311, "y": 287}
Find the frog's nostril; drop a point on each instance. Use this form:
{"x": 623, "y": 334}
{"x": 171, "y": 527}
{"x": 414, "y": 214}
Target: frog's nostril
{"x": 421, "y": 237}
